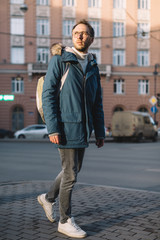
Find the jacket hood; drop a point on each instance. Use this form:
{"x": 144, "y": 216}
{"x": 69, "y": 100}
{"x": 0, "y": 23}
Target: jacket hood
{"x": 56, "y": 49}
{"x": 68, "y": 54}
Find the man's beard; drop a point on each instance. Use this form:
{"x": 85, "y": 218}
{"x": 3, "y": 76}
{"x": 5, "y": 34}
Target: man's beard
{"x": 82, "y": 48}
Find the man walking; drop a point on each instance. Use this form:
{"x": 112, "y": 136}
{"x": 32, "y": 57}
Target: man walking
{"x": 70, "y": 115}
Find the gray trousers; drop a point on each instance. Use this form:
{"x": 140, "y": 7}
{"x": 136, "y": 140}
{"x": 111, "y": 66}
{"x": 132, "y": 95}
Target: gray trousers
{"x": 63, "y": 184}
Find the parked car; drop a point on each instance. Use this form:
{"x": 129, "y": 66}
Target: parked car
{"x": 6, "y": 133}
{"x": 107, "y": 133}
{"x": 130, "y": 125}
{"x": 158, "y": 132}
{"x": 33, "y": 132}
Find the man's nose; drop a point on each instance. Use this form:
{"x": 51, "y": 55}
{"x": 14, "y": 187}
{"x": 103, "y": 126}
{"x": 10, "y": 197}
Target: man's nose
{"x": 80, "y": 35}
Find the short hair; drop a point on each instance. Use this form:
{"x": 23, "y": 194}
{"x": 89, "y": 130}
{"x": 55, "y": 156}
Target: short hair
{"x": 83, "y": 21}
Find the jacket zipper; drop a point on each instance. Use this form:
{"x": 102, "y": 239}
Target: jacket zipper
{"x": 85, "y": 108}
{"x": 85, "y": 104}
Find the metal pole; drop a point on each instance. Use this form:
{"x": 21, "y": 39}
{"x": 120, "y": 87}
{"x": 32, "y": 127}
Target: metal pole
{"x": 155, "y": 83}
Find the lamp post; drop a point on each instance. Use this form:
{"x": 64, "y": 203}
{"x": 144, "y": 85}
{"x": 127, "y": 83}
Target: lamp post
{"x": 24, "y": 8}
{"x": 155, "y": 73}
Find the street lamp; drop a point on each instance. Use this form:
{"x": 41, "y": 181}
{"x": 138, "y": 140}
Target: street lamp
{"x": 155, "y": 73}
{"x": 24, "y": 8}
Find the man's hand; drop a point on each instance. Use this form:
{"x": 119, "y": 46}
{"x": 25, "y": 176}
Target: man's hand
{"x": 100, "y": 143}
{"x": 55, "y": 139}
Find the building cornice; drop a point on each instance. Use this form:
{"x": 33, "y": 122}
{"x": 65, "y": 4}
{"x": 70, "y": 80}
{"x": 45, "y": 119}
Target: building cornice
{"x": 105, "y": 70}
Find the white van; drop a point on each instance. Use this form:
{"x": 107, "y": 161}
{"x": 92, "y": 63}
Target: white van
{"x": 137, "y": 125}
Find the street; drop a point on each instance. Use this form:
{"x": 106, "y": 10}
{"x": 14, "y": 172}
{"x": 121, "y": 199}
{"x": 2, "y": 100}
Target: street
{"x": 125, "y": 165}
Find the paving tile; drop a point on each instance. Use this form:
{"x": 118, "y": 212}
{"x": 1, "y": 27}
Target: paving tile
{"x": 103, "y": 212}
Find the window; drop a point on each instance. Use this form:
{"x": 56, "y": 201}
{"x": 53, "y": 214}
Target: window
{"x": 94, "y": 3}
{"x": 97, "y": 53}
{"x": 69, "y": 3}
{"x": 43, "y": 55}
{"x": 43, "y": 27}
{"x": 96, "y": 27}
{"x": 119, "y": 3}
{"x": 143, "y": 4}
{"x": 31, "y": 128}
{"x": 147, "y": 120}
{"x": 42, "y": 2}
{"x": 118, "y": 57}
{"x": 17, "y": 26}
{"x": 118, "y": 109}
{"x": 142, "y": 109}
{"x": 17, "y": 85}
{"x": 143, "y": 30}
{"x": 17, "y": 1}
{"x": 119, "y": 86}
{"x": 118, "y": 29}
{"x": 67, "y": 27}
{"x": 17, "y": 55}
{"x": 143, "y": 58}
{"x": 143, "y": 87}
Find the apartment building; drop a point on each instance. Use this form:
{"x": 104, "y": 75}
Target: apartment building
{"x": 127, "y": 47}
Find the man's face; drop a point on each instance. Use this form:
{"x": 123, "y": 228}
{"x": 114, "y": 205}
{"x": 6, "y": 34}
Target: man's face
{"x": 81, "y": 38}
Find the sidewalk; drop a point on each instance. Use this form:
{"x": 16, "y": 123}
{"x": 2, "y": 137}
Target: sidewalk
{"x": 103, "y": 212}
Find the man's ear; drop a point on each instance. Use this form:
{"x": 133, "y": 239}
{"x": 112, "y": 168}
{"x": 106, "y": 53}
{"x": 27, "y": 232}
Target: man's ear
{"x": 92, "y": 39}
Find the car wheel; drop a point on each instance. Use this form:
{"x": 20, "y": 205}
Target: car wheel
{"x": 45, "y": 136}
{"x": 140, "y": 137}
{"x": 21, "y": 136}
{"x": 155, "y": 138}
{"x": 118, "y": 139}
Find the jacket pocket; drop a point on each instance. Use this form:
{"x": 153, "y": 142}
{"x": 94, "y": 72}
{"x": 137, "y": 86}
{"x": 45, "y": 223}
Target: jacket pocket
{"x": 74, "y": 132}
{"x": 73, "y": 117}
{"x": 72, "y": 126}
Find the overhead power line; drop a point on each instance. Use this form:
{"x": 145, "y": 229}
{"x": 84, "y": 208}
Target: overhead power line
{"x": 62, "y": 38}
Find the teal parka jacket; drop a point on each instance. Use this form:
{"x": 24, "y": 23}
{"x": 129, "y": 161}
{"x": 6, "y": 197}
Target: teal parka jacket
{"x": 74, "y": 111}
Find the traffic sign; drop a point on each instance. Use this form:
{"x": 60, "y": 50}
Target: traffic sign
{"x": 153, "y": 100}
{"x": 154, "y": 109}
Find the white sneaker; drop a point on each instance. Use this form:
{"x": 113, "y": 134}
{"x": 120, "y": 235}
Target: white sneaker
{"x": 71, "y": 229}
{"x": 48, "y": 207}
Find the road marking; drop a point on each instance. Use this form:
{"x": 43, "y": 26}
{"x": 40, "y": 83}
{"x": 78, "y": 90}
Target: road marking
{"x": 118, "y": 188}
{"x": 153, "y": 170}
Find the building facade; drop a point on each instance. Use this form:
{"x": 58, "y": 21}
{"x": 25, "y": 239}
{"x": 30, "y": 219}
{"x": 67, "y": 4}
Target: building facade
{"x": 127, "y": 47}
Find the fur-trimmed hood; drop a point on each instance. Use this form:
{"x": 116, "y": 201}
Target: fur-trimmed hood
{"x": 57, "y": 48}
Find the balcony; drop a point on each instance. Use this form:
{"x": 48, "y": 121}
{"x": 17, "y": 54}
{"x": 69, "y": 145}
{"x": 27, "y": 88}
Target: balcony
{"x": 38, "y": 68}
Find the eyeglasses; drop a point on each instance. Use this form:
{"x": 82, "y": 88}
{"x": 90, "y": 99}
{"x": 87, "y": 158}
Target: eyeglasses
{"x": 84, "y": 34}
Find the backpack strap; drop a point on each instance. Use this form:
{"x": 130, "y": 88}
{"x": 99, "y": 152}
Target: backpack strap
{"x": 64, "y": 76}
